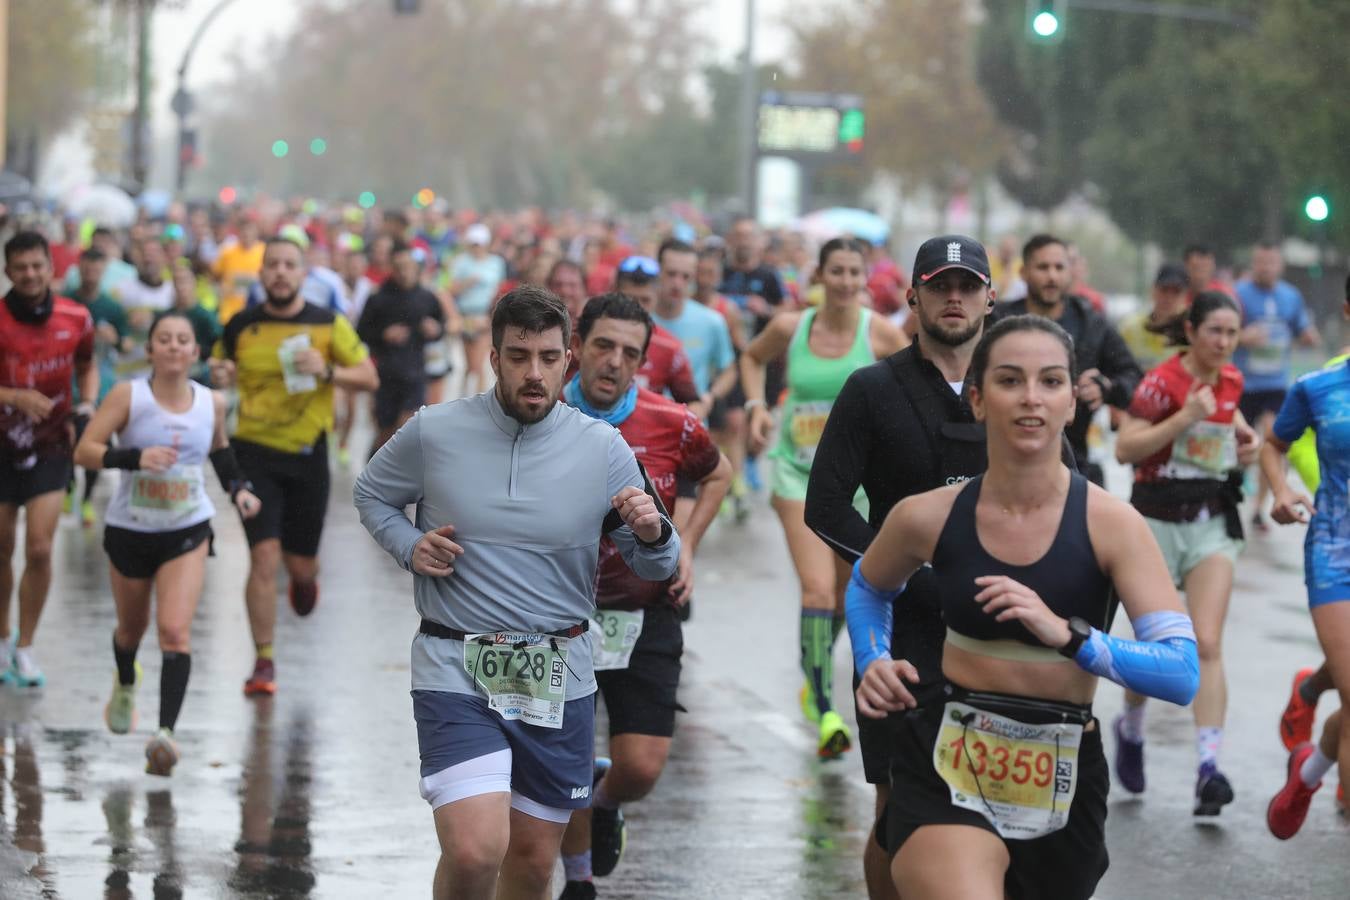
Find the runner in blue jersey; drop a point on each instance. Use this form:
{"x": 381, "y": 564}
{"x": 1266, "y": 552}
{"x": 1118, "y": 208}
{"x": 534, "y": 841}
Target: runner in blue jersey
{"x": 1320, "y": 401}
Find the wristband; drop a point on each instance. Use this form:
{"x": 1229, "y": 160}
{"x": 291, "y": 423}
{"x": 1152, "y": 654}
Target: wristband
{"x": 666, "y": 531}
{"x": 751, "y": 404}
{"x": 122, "y": 458}
{"x": 227, "y": 470}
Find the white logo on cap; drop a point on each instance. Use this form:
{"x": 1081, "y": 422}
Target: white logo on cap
{"x": 954, "y": 251}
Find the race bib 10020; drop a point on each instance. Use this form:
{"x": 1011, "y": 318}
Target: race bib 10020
{"x": 164, "y": 498}
{"x": 1020, "y": 777}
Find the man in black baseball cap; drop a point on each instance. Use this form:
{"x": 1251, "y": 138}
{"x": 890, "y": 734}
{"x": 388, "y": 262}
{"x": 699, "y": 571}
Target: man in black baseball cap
{"x": 950, "y": 251}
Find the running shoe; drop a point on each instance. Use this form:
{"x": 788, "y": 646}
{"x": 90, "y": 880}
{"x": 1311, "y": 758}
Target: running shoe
{"x": 578, "y": 890}
{"x": 598, "y": 769}
{"x": 740, "y": 508}
{"x": 24, "y": 671}
{"x": 835, "y": 739}
{"x": 161, "y": 754}
{"x": 7, "y": 658}
{"x": 120, "y": 713}
{"x": 344, "y": 457}
{"x": 1296, "y": 725}
{"x": 1129, "y": 759}
{"x": 68, "y": 503}
{"x": 304, "y": 597}
{"x": 609, "y": 837}
{"x": 807, "y": 698}
{"x": 1259, "y": 523}
{"x": 1340, "y": 799}
{"x": 752, "y": 477}
{"x": 1289, "y": 807}
{"x": 1212, "y": 791}
{"x": 263, "y": 680}
{"x": 87, "y": 513}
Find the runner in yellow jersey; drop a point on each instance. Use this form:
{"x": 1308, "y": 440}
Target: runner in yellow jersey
{"x": 286, "y": 356}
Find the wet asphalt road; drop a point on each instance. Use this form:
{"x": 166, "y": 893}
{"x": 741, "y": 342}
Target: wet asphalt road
{"x": 314, "y": 793}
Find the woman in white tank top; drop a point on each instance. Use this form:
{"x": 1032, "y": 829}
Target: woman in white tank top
{"x": 158, "y": 530}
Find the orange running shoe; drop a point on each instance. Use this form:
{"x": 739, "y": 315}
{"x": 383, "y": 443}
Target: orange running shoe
{"x": 1296, "y": 724}
{"x": 263, "y": 680}
{"x": 1289, "y": 807}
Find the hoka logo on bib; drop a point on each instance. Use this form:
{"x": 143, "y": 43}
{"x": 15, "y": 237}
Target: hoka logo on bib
{"x": 954, "y": 251}
{"x": 581, "y": 793}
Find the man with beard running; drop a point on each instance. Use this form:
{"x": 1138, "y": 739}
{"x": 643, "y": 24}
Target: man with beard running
{"x": 286, "y": 356}
{"x": 45, "y": 340}
{"x": 513, "y": 492}
{"x": 640, "y": 638}
{"x": 1108, "y": 374}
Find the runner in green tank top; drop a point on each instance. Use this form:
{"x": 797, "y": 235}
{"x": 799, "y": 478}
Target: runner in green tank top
{"x": 824, "y": 346}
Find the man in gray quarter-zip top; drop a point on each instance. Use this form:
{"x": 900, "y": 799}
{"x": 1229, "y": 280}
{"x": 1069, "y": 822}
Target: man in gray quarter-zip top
{"x": 513, "y": 491}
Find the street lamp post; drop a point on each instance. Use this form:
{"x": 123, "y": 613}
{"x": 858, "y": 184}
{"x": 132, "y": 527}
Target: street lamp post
{"x": 749, "y": 105}
{"x": 182, "y": 103}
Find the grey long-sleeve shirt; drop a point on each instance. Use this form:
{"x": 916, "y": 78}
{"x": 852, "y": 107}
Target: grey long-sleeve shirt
{"x": 528, "y": 504}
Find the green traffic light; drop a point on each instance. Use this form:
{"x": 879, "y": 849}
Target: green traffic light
{"x": 280, "y": 149}
{"x": 852, "y": 125}
{"x": 1045, "y": 24}
{"x": 366, "y": 200}
{"x": 318, "y": 146}
{"x": 1317, "y": 208}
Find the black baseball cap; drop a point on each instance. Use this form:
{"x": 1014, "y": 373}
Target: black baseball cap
{"x": 1171, "y": 274}
{"x": 950, "y": 251}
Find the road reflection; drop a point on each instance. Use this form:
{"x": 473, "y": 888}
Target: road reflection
{"x": 273, "y": 850}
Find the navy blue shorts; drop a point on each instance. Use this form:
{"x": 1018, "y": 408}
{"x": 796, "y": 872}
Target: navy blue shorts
{"x": 551, "y": 767}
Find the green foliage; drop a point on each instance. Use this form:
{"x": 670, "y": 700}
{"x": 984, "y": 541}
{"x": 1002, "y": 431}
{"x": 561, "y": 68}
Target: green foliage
{"x": 1183, "y": 130}
{"x": 1181, "y": 153}
{"x": 1049, "y": 95}
{"x": 913, "y": 63}
{"x": 52, "y": 51}
{"x": 500, "y": 103}
{"x": 674, "y": 154}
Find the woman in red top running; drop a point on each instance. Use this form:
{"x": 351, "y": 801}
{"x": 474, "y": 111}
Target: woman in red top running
{"x": 1189, "y": 444}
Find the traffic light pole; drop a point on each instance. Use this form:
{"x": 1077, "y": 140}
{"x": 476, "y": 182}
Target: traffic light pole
{"x": 182, "y": 104}
{"x": 749, "y": 105}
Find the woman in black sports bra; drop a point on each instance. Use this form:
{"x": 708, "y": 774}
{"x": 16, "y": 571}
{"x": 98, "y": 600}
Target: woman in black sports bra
{"x": 999, "y": 780}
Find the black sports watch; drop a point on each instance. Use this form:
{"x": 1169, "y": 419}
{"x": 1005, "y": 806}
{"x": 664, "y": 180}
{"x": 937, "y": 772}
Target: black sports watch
{"x": 1079, "y": 631}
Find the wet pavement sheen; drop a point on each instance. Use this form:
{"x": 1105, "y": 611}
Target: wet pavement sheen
{"x": 313, "y": 793}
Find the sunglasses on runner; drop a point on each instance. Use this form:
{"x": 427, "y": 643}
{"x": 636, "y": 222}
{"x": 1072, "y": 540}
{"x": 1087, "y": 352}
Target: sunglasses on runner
{"x": 640, "y": 265}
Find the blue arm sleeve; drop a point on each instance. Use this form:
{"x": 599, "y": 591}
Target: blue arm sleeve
{"x": 867, "y": 610}
{"x": 1161, "y": 663}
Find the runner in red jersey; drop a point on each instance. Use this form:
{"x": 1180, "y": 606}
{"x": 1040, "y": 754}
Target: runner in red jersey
{"x": 1187, "y": 436}
{"x": 46, "y": 341}
{"x": 665, "y": 368}
{"x": 637, "y": 634}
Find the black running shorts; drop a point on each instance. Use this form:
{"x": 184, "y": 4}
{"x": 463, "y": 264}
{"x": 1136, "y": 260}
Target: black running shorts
{"x": 1065, "y": 865}
{"x": 139, "y": 554}
{"x": 26, "y": 477}
{"x": 396, "y": 396}
{"x": 293, "y": 488}
{"x": 641, "y": 698}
